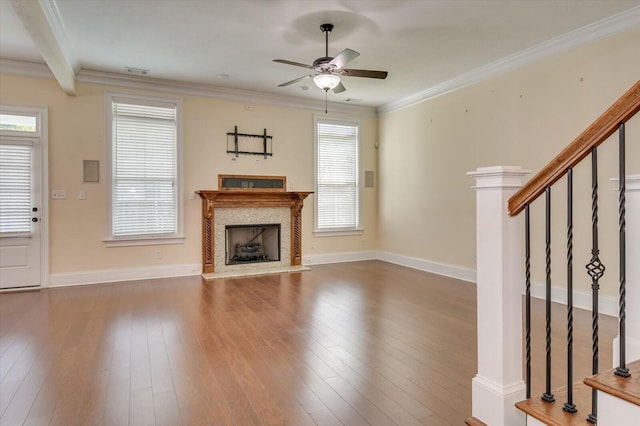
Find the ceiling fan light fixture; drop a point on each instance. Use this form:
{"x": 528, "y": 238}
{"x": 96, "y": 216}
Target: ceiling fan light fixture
{"x": 326, "y": 81}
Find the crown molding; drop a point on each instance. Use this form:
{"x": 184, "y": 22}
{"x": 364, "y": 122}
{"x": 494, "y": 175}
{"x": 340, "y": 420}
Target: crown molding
{"x": 210, "y": 91}
{"x": 28, "y": 69}
{"x": 38, "y": 70}
{"x": 618, "y": 23}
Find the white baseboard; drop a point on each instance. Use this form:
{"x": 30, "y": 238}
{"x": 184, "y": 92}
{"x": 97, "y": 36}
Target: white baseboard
{"x": 452, "y": 271}
{"x": 341, "y": 257}
{"x": 494, "y": 403}
{"x": 128, "y": 274}
{"x": 607, "y": 305}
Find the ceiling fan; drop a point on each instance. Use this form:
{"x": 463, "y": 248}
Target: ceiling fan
{"x": 328, "y": 70}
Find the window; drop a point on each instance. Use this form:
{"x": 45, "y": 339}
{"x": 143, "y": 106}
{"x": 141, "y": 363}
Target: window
{"x": 337, "y": 183}
{"x": 144, "y": 170}
{"x": 15, "y": 188}
{"x": 19, "y": 124}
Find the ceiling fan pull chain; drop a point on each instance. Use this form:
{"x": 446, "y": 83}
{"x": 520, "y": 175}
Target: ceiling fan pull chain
{"x": 325, "y": 101}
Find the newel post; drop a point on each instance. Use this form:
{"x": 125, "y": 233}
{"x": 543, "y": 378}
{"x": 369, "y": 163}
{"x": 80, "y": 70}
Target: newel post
{"x": 499, "y": 247}
{"x": 632, "y": 222}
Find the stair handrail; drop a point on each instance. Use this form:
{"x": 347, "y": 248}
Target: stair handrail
{"x": 603, "y": 127}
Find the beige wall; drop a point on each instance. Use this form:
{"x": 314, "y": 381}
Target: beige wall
{"x": 523, "y": 118}
{"x": 77, "y": 132}
{"x": 422, "y": 205}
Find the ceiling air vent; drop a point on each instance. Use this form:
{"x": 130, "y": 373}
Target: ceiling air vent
{"x": 138, "y": 71}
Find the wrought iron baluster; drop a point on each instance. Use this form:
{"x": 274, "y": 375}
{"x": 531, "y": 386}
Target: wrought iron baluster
{"x": 622, "y": 369}
{"x": 595, "y": 269}
{"x": 569, "y": 406}
{"x": 527, "y": 300}
{"x": 548, "y": 396}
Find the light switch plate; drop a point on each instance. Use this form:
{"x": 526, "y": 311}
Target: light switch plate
{"x": 59, "y": 194}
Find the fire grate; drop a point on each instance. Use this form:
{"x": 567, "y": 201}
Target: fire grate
{"x": 252, "y": 243}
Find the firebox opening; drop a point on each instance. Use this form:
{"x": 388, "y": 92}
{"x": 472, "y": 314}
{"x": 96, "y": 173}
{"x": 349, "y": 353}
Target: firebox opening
{"x": 252, "y": 243}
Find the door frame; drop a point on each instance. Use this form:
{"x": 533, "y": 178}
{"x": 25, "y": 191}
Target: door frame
{"x": 42, "y": 133}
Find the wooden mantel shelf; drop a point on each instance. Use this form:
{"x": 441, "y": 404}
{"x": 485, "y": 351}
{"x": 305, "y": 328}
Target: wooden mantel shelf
{"x": 237, "y": 199}
{"x": 212, "y": 200}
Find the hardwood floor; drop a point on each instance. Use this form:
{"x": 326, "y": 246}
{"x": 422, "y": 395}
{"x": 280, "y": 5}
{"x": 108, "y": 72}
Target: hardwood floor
{"x": 354, "y": 344}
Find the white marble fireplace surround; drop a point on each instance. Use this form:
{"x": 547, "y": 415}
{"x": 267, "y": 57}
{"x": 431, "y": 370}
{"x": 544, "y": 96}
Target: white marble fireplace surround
{"x": 251, "y": 216}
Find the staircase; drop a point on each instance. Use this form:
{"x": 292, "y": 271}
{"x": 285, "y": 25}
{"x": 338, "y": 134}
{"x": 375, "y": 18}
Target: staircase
{"x": 618, "y": 401}
{"x": 499, "y": 395}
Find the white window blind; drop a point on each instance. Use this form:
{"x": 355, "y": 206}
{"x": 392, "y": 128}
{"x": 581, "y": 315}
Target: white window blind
{"x": 15, "y": 189}
{"x": 144, "y": 170}
{"x": 337, "y": 176}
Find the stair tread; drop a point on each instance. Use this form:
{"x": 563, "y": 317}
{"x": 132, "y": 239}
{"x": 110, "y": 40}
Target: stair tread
{"x": 553, "y": 414}
{"x": 627, "y": 389}
{"x": 472, "y": 421}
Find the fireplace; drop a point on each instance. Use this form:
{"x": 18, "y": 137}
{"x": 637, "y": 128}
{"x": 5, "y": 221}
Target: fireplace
{"x": 252, "y": 243}
{"x": 247, "y": 201}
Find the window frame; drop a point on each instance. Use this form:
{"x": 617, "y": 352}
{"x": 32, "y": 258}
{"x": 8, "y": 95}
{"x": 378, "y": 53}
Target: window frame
{"x": 343, "y": 231}
{"x": 153, "y": 239}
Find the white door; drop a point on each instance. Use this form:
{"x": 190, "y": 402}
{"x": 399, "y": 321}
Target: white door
{"x": 20, "y": 208}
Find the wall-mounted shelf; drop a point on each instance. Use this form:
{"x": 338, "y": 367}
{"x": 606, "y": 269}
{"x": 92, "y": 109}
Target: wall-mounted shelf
{"x": 249, "y": 144}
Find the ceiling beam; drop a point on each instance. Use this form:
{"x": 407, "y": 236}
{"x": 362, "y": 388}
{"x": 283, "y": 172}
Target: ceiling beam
{"x": 35, "y": 19}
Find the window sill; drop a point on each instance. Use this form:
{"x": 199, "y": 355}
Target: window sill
{"x": 337, "y": 232}
{"x": 152, "y": 241}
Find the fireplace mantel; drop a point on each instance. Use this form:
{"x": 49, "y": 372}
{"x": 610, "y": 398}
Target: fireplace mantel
{"x": 237, "y": 199}
{"x": 212, "y": 200}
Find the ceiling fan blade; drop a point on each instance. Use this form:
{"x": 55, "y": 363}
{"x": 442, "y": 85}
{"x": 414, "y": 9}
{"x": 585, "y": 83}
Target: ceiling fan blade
{"x": 364, "y": 73}
{"x": 339, "y": 88}
{"x": 297, "y": 64}
{"x": 344, "y": 57}
{"x": 293, "y": 81}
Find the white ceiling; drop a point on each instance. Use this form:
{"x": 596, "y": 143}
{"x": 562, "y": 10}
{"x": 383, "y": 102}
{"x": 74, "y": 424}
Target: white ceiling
{"x": 421, "y": 43}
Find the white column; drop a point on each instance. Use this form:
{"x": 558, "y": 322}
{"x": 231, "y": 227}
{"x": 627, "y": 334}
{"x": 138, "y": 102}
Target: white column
{"x": 499, "y": 241}
{"x": 632, "y": 310}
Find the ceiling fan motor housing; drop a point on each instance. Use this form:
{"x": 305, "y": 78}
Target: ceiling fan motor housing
{"x": 323, "y": 64}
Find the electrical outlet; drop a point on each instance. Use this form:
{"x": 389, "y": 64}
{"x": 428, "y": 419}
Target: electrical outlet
{"x": 158, "y": 254}
{"x": 82, "y": 195}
